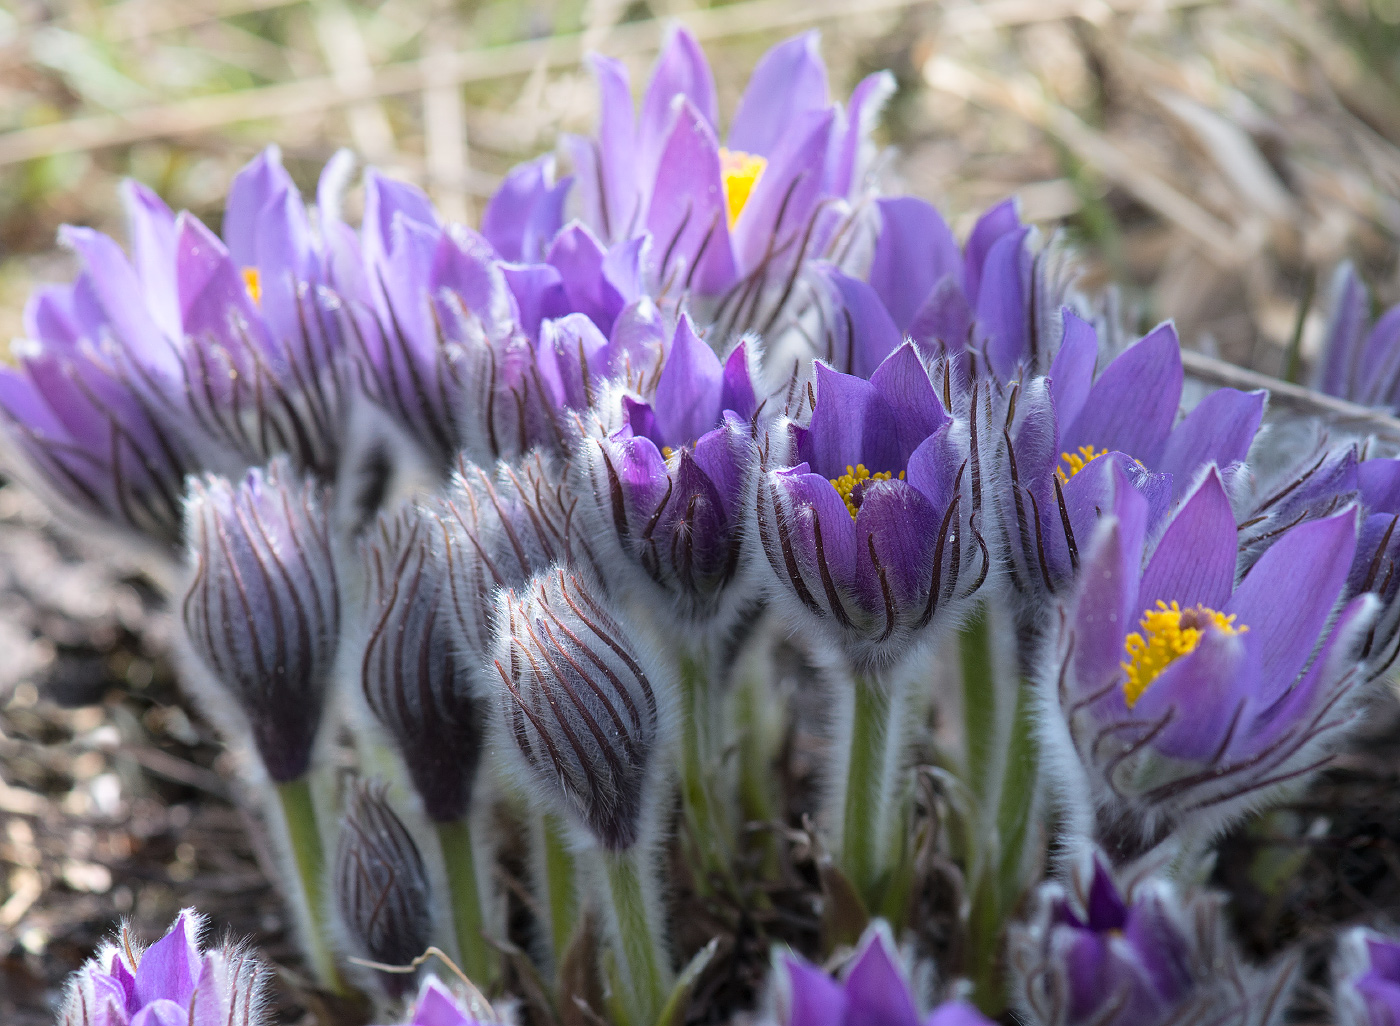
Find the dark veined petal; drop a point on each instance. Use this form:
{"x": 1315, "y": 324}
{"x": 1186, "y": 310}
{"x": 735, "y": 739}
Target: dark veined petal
{"x": 1219, "y": 430}
{"x": 851, "y": 424}
{"x": 1194, "y": 563}
{"x": 1133, "y": 404}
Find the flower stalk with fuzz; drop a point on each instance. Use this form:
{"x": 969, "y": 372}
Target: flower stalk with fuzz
{"x": 171, "y": 983}
{"x": 1184, "y": 697}
{"x": 581, "y": 704}
{"x": 261, "y": 621}
{"x": 1135, "y": 951}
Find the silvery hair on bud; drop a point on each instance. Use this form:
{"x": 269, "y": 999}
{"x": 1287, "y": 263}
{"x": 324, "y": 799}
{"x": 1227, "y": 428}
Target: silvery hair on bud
{"x": 421, "y": 688}
{"x": 382, "y": 891}
{"x": 262, "y": 614}
{"x": 584, "y": 704}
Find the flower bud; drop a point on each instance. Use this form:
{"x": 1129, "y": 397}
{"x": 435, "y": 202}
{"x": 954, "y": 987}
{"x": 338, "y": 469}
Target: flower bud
{"x": 416, "y": 680}
{"x": 579, "y": 705}
{"x": 261, "y": 613}
{"x": 381, "y": 885}
{"x": 170, "y": 982}
{"x": 1134, "y": 953}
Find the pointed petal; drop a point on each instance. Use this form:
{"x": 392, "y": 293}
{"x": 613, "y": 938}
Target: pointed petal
{"x": 1072, "y": 372}
{"x": 783, "y": 199}
{"x": 913, "y": 252}
{"x": 680, "y": 70}
{"x": 851, "y": 424}
{"x": 170, "y": 967}
{"x": 736, "y": 393}
{"x": 902, "y": 526}
{"x": 1195, "y": 560}
{"x": 876, "y": 992}
{"x": 617, "y": 148}
{"x": 863, "y": 109}
{"x": 1002, "y": 321}
{"x": 1133, "y": 405}
{"x": 865, "y": 335}
{"x": 1219, "y": 430}
{"x": 814, "y": 998}
{"x": 904, "y": 383}
{"x": 789, "y": 81}
{"x": 687, "y": 396}
{"x": 1108, "y": 590}
{"x": 991, "y": 226}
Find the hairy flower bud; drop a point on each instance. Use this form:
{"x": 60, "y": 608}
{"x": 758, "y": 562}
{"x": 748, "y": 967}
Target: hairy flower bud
{"x": 579, "y": 706}
{"x": 416, "y": 680}
{"x": 262, "y": 613}
{"x": 170, "y": 983}
{"x": 381, "y": 885}
{"x": 1137, "y": 952}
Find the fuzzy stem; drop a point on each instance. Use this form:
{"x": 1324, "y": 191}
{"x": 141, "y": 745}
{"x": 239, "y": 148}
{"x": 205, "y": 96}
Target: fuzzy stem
{"x": 639, "y": 947}
{"x": 758, "y": 784}
{"x": 464, "y": 890}
{"x": 308, "y": 856}
{"x": 561, "y": 898}
{"x": 708, "y": 832}
{"x": 870, "y": 765}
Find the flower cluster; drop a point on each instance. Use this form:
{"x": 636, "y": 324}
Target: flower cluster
{"x": 510, "y": 519}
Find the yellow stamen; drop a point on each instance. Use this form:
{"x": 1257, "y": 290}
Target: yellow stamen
{"x": 739, "y": 172}
{"x": 1168, "y": 633}
{"x": 252, "y": 281}
{"x": 1077, "y": 461}
{"x": 845, "y": 485}
{"x": 667, "y": 452}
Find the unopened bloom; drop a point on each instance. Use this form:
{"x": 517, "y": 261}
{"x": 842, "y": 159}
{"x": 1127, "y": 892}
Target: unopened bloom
{"x": 864, "y": 518}
{"x": 438, "y": 1006}
{"x": 1366, "y": 979}
{"x": 171, "y": 983}
{"x": 418, "y": 684}
{"x": 1137, "y": 952}
{"x": 262, "y": 612}
{"x": 1188, "y": 697}
{"x": 580, "y": 705}
{"x": 873, "y": 990}
{"x": 668, "y": 488}
{"x": 381, "y": 886}
{"x": 1360, "y": 358}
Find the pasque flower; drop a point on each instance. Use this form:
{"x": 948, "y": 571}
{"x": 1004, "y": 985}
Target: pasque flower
{"x": 873, "y": 990}
{"x": 863, "y": 513}
{"x": 438, "y": 1006}
{"x": 1366, "y": 979}
{"x": 1184, "y": 697}
{"x": 1360, "y": 358}
{"x": 668, "y": 487}
{"x": 1136, "y": 951}
{"x": 171, "y": 983}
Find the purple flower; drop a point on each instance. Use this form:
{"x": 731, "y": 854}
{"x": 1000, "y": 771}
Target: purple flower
{"x": 170, "y": 983}
{"x": 1374, "y": 567}
{"x": 874, "y": 991}
{"x": 867, "y": 514}
{"x": 1137, "y": 953}
{"x": 1366, "y": 979}
{"x": 585, "y": 718}
{"x": 262, "y": 611}
{"x": 1360, "y": 359}
{"x": 668, "y": 489}
{"x": 1188, "y": 697}
{"x": 419, "y": 686}
{"x": 438, "y": 1006}
{"x": 1073, "y": 431}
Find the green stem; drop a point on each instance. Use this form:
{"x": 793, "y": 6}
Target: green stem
{"x": 479, "y": 960}
{"x": 562, "y": 897}
{"x": 758, "y": 783}
{"x": 979, "y": 704}
{"x": 299, "y": 814}
{"x": 638, "y": 941}
{"x": 869, "y": 778}
{"x": 708, "y": 832}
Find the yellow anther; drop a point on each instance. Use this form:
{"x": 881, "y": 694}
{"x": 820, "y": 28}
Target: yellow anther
{"x": 739, "y": 172}
{"x": 1074, "y": 462}
{"x": 252, "y": 281}
{"x": 847, "y": 484}
{"x": 667, "y": 452}
{"x": 1168, "y": 633}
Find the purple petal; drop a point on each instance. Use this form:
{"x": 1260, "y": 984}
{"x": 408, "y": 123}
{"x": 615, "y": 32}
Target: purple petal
{"x": 902, "y": 526}
{"x": 1072, "y": 372}
{"x": 1132, "y": 406}
{"x": 1382, "y": 997}
{"x": 1152, "y": 931}
{"x": 437, "y": 1007}
{"x": 1379, "y": 481}
{"x": 789, "y": 82}
{"x": 1194, "y": 563}
{"x": 724, "y": 455}
{"x": 915, "y": 250}
{"x": 526, "y": 212}
{"x": 687, "y": 216}
{"x": 864, "y": 331}
{"x": 1105, "y": 908}
{"x": 151, "y": 227}
{"x": 571, "y": 351}
{"x": 170, "y": 966}
{"x": 945, "y": 319}
{"x": 642, "y": 475}
{"x": 851, "y": 424}
{"x": 697, "y": 518}
{"x": 815, "y": 999}
{"x": 903, "y": 382}
{"x": 1201, "y": 692}
{"x": 617, "y": 144}
{"x": 876, "y": 992}
{"x": 1379, "y": 359}
{"x": 579, "y": 258}
{"x": 933, "y": 467}
{"x": 162, "y": 1013}
{"x": 814, "y": 500}
{"x": 211, "y": 289}
{"x": 736, "y": 392}
{"x": 639, "y": 334}
{"x": 1108, "y": 591}
{"x": 1341, "y": 352}
{"x": 119, "y": 291}
{"x": 681, "y": 70}
{"x": 1219, "y": 430}
{"x": 991, "y": 226}
{"x": 688, "y": 394}
{"x": 539, "y": 294}
{"x": 387, "y": 199}
{"x": 786, "y": 194}
{"x": 1002, "y": 323}
{"x": 863, "y": 109}
{"x": 956, "y": 1013}
{"x": 1287, "y": 596}
{"x": 1385, "y": 957}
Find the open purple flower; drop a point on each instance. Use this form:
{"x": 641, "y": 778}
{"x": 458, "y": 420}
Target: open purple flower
{"x": 171, "y": 983}
{"x": 1188, "y": 697}
{"x": 864, "y": 513}
{"x": 1360, "y": 358}
{"x": 1366, "y": 979}
{"x": 874, "y": 990}
{"x": 668, "y": 488}
{"x": 1134, "y": 953}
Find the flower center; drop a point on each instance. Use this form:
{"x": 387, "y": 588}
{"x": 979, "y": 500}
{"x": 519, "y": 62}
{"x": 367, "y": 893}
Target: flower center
{"x": 1168, "y": 633}
{"x": 852, "y": 484}
{"x": 252, "y": 281}
{"x": 1074, "y": 462}
{"x": 739, "y": 172}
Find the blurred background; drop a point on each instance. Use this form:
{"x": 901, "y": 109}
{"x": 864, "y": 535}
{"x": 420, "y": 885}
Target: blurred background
{"x": 1216, "y": 160}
